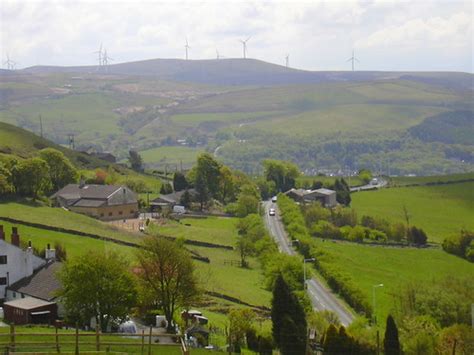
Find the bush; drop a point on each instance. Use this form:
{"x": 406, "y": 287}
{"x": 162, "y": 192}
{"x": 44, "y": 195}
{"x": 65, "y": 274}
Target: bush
{"x": 460, "y": 245}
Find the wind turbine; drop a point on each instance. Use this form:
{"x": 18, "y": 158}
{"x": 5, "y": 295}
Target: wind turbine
{"x": 99, "y": 52}
{"x": 244, "y": 46}
{"x": 105, "y": 59}
{"x": 353, "y": 59}
{"x": 217, "y": 54}
{"x": 287, "y": 60}
{"x": 9, "y": 63}
{"x": 186, "y": 47}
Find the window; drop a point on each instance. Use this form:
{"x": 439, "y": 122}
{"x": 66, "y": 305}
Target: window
{"x": 132, "y": 211}
{"x": 110, "y": 213}
{"x": 3, "y": 259}
{"x": 102, "y": 215}
{"x": 120, "y": 212}
{"x": 3, "y": 281}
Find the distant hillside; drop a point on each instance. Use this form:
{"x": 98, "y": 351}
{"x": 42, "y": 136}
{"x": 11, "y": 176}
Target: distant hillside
{"x": 253, "y": 72}
{"x": 456, "y": 127}
{"x": 19, "y": 142}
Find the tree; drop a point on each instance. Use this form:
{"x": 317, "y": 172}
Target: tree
{"x": 6, "y": 181}
{"x": 186, "y": 199}
{"x": 168, "y": 272}
{"x": 331, "y": 340}
{"x": 391, "y": 343}
{"x": 282, "y": 173}
{"x": 179, "y": 181}
{"x": 288, "y": 319}
{"x": 241, "y": 322}
{"x": 99, "y": 286}
{"x": 343, "y": 192}
{"x": 246, "y": 204}
{"x": 245, "y": 247}
{"x": 61, "y": 171}
{"x": 417, "y": 236}
{"x": 206, "y": 178}
{"x": 31, "y": 177}
{"x": 135, "y": 160}
{"x": 166, "y": 189}
{"x": 226, "y": 185}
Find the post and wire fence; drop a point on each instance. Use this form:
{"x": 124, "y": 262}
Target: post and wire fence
{"x": 89, "y": 342}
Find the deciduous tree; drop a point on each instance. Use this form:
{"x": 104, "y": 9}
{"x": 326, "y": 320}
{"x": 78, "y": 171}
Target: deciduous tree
{"x": 99, "y": 286}
{"x": 61, "y": 171}
{"x": 167, "y": 270}
{"x": 31, "y": 177}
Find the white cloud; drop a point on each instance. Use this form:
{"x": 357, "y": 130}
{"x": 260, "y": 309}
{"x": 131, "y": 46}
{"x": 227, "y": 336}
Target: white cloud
{"x": 317, "y": 34}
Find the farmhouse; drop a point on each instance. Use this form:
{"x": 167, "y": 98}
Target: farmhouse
{"x": 168, "y": 201}
{"x": 325, "y": 196}
{"x": 15, "y": 263}
{"x": 105, "y": 202}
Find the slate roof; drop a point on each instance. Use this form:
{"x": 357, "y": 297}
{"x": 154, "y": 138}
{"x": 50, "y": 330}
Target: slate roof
{"x": 87, "y": 191}
{"x": 28, "y": 303}
{"x": 42, "y": 284}
{"x": 94, "y": 195}
{"x": 324, "y": 191}
{"x": 174, "y": 197}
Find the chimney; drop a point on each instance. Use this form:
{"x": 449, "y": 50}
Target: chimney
{"x": 15, "y": 237}
{"x": 82, "y": 182}
{"x": 50, "y": 254}
{"x": 2, "y": 233}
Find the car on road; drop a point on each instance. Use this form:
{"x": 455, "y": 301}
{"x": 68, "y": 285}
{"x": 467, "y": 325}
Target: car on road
{"x": 271, "y": 212}
{"x": 274, "y": 199}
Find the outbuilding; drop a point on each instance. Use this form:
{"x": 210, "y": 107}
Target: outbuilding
{"x": 30, "y": 310}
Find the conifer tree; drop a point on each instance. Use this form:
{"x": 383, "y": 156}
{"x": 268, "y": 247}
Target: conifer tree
{"x": 391, "y": 342}
{"x": 289, "y": 320}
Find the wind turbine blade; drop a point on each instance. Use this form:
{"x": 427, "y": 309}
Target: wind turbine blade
{"x": 349, "y": 60}
{"x": 247, "y": 39}
{"x": 357, "y": 60}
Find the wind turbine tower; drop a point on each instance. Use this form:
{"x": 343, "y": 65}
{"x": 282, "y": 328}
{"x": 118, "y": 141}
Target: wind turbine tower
{"x": 353, "y": 59}
{"x": 9, "y": 63}
{"x": 244, "y": 46}
{"x": 100, "y": 53}
{"x": 186, "y": 47}
{"x": 287, "y": 60}
{"x": 105, "y": 60}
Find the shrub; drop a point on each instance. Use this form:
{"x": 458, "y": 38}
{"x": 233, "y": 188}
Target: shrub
{"x": 460, "y": 245}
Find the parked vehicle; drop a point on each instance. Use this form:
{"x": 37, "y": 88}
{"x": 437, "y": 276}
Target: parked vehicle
{"x": 274, "y": 199}
{"x": 179, "y": 209}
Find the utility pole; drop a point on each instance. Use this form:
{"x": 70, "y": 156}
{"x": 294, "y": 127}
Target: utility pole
{"x": 41, "y": 126}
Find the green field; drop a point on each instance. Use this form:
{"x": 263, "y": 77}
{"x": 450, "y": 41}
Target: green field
{"x": 440, "y": 210}
{"x": 327, "y": 180}
{"x": 75, "y": 245}
{"x": 423, "y": 180}
{"x": 394, "y": 267}
{"x": 86, "y": 343}
{"x": 57, "y": 217}
{"x": 171, "y": 155}
{"x": 213, "y": 230}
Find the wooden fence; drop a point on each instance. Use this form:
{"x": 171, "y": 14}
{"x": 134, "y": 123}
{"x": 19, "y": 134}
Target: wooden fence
{"x": 99, "y": 342}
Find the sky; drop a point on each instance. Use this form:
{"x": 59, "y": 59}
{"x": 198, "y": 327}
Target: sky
{"x": 318, "y": 35}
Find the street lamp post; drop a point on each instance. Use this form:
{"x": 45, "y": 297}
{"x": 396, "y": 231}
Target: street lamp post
{"x": 304, "y": 270}
{"x": 373, "y": 302}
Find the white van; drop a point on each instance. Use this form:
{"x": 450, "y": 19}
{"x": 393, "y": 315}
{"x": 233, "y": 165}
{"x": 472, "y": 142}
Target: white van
{"x": 179, "y": 209}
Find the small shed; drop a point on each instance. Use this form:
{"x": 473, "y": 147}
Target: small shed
{"x": 30, "y": 310}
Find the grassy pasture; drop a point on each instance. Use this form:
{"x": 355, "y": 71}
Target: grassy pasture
{"x": 57, "y": 217}
{"x": 394, "y": 267}
{"x": 194, "y": 119}
{"x": 213, "y": 230}
{"x": 351, "y": 119}
{"x": 86, "y": 343}
{"x": 440, "y": 210}
{"x": 171, "y": 155}
{"x": 75, "y": 245}
{"x": 423, "y": 180}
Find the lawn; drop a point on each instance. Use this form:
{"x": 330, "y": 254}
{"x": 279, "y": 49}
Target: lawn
{"x": 218, "y": 230}
{"x": 393, "y": 267}
{"x": 440, "y": 210}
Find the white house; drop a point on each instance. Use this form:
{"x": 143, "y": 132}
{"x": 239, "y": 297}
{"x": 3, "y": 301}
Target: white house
{"x": 15, "y": 263}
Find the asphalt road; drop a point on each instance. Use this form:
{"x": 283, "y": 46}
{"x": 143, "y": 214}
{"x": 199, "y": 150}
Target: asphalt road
{"x": 320, "y": 296}
{"x": 381, "y": 183}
